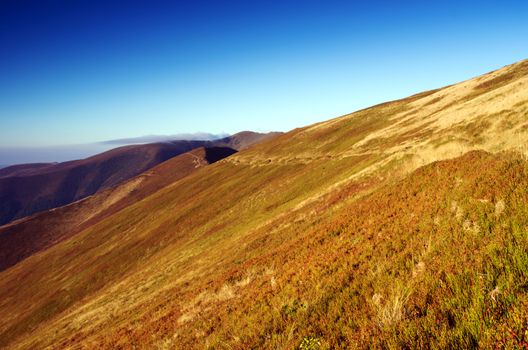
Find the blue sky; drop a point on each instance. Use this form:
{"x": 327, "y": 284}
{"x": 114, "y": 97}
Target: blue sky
{"x": 78, "y": 72}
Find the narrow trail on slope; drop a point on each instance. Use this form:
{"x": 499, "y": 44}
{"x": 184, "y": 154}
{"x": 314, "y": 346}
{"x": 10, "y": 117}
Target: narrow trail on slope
{"x": 196, "y": 161}
{"x": 294, "y": 160}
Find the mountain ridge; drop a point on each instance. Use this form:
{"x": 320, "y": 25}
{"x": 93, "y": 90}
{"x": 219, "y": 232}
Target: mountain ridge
{"x": 29, "y": 188}
{"x": 42, "y": 230}
{"x": 396, "y": 226}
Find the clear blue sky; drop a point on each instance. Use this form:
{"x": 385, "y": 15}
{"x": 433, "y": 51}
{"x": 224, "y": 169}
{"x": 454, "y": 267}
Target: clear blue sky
{"x": 75, "y": 72}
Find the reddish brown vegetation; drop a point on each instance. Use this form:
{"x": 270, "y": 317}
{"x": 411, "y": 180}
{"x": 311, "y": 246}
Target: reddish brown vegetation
{"x": 30, "y": 188}
{"x": 28, "y": 236}
{"x": 320, "y": 238}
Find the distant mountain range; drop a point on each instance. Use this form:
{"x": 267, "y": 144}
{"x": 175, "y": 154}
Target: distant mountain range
{"x": 39, "y": 231}
{"x": 62, "y": 153}
{"x": 29, "y": 188}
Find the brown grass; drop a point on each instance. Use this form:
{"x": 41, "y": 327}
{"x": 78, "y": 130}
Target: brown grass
{"x": 332, "y": 235}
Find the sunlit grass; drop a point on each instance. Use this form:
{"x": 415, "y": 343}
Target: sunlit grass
{"x": 327, "y": 237}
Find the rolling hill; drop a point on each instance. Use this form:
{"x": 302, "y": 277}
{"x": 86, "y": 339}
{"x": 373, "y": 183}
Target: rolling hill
{"x": 29, "y": 188}
{"x": 23, "y": 169}
{"x": 42, "y": 230}
{"x": 399, "y": 226}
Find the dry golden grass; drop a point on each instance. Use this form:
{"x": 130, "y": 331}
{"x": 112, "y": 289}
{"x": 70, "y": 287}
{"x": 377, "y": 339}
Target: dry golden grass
{"x": 329, "y": 235}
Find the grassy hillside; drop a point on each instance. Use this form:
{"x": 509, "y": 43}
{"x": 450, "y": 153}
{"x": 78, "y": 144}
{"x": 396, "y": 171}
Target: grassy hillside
{"x": 30, "y": 188}
{"x": 40, "y": 231}
{"x": 326, "y": 236}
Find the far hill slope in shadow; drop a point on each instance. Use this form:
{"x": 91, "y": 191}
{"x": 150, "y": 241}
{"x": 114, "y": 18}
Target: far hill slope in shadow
{"x": 24, "y": 169}
{"x": 29, "y": 188}
{"x": 27, "y": 236}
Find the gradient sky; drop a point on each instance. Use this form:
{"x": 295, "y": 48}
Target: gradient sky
{"x": 76, "y": 72}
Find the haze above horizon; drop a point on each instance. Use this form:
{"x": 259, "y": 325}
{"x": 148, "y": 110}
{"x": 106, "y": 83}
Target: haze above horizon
{"x": 87, "y": 71}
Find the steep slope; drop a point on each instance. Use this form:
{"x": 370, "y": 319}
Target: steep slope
{"x": 29, "y": 188}
{"x": 63, "y": 183}
{"x": 27, "y": 236}
{"x": 325, "y": 235}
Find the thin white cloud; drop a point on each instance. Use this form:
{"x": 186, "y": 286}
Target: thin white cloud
{"x": 198, "y": 136}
